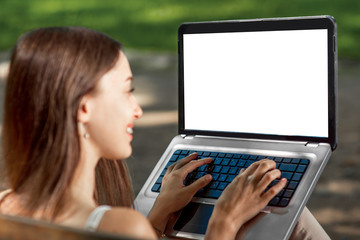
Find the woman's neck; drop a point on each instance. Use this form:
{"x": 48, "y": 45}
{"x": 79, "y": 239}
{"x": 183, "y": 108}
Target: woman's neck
{"x": 83, "y": 185}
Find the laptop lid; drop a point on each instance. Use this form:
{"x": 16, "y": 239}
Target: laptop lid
{"x": 260, "y": 79}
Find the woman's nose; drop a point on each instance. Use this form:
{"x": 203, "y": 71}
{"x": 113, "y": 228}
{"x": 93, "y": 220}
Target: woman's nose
{"x": 138, "y": 111}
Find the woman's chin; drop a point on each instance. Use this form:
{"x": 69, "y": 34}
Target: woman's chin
{"x": 124, "y": 154}
{"x": 127, "y": 153}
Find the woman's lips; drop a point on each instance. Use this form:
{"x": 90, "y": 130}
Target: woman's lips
{"x": 129, "y": 130}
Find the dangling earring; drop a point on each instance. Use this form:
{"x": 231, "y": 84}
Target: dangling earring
{"x": 86, "y": 134}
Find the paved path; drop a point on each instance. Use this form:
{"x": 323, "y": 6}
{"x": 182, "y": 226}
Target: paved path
{"x": 335, "y": 201}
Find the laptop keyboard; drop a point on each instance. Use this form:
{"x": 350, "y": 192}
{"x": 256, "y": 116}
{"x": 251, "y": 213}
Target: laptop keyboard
{"x": 225, "y": 167}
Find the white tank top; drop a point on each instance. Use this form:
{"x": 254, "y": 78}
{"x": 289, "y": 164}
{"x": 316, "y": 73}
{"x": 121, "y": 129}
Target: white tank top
{"x": 95, "y": 217}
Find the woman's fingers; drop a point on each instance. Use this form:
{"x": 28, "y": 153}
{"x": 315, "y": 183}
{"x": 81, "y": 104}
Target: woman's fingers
{"x": 271, "y": 193}
{"x": 263, "y": 167}
{"x": 200, "y": 183}
{"x": 191, "y": 166}
{"x": 256, "y": 170}
{"x": 252, "y": 168}
{"x": 182, "y": 162}
{"x": 268, "y": 177}
{"x": 186, "y": 165}
{"x": 185, "y": 160}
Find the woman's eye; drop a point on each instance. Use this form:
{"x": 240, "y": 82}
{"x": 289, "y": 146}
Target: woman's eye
{"x": 132, "y": 90}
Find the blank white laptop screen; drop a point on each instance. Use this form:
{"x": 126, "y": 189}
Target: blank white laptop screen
{"x": 268, "y": 82}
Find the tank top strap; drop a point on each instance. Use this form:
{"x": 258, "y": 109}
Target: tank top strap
{"x": 3, "y": 194}
{"x": 95, "y": 217}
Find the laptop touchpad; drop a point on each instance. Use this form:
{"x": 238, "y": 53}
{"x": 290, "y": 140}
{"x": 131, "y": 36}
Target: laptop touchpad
{"x": 194, "y": 218}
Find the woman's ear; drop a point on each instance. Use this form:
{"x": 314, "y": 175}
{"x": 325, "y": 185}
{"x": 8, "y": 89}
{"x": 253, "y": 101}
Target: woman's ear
{"x": 83, "y": 115}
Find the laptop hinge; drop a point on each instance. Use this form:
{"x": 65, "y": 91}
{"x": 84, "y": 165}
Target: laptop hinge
{"x": 312, "y": 144}
{"x": 188, "y": 136}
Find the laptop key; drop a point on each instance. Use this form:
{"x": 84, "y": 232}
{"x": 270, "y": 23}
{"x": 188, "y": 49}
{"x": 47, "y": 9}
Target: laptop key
{"x": 222, "y": 178}
{"x": 225, "y": 162}
{"x": 168, "y": 164}
{"x": 304, "y": 161}
{"x": 252, "y": 157}
{"x": 287, "y": 167}
{"x": 284, "y": 202}
{"x": 206, "y": 154}
{"x": 155, "y": 188}
{"x": 274, "y": 201}
{"x": 241, "y": 163}
{"x": 185, "y": 152}
{"x": 293, "y": 185}
{"x": 248, "y": 163}
{"x": 212, "y": 193}
{"x": 296, "y": 177}
{"x": 295, "y": 160}
{"x": 286, "y": 175}
{"x": 225, "y": 169}
{"x": 286, "y": 160}
{"x": 301, "y": 168}
{"x": 217, "y": 169}
{"x": 174, "y": 158}
{"x": 214, "y": 185}
{"x": 233, "y": 170}
{"x": 202, "y": 168}
{"x": 245, "y": 156}
{"x": 222, "y": 186}
{"x": 233, "y": 162}
{"x": 288, "y": 193}
{"x": 159, "y": 180}
{"x": 217, "y": 161}
{"x": 215, "y": 176}
{"x": 230, "y": 178}
{"x": 213, "y": 154}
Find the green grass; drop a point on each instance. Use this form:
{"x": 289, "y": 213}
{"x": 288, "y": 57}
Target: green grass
{"x": 152, "y": 24}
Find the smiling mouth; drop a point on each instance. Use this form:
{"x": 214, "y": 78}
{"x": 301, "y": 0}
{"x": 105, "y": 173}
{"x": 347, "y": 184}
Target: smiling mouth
{"x": 129, "y": 130}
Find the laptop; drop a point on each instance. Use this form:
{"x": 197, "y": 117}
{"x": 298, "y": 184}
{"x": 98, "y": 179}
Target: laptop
{"x": 248, "y": 90}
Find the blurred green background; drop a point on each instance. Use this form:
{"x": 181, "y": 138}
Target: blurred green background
{"x": 152, "y": 25}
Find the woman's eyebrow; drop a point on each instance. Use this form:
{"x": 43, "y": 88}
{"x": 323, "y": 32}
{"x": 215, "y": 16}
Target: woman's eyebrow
{"x": 131, "y": 78}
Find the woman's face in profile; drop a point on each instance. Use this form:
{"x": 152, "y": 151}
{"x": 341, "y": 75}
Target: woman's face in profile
{"x": 113, "y": 112}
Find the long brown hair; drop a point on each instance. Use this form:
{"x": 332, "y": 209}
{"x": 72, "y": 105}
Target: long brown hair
{"x": 51, "y": 69}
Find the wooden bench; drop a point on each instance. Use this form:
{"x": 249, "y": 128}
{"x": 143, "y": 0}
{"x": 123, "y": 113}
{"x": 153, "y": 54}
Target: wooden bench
{"x": 16, "y": 228}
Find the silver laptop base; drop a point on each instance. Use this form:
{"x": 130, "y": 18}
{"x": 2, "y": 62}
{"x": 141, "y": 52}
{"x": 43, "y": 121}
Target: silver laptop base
{"x": 264, "y": 228}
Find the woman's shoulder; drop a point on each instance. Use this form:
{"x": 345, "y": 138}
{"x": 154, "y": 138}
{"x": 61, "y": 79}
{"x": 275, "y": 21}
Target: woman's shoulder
{"x": 126, "y": 221}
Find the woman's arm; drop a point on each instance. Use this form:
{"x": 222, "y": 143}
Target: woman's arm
{"x": 127, "y": 222}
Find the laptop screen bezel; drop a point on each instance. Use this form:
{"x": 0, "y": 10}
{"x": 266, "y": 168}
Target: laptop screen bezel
{"x": 299, "y": 23}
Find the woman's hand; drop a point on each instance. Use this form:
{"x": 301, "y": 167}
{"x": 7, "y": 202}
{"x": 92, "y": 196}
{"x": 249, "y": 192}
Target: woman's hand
{"x": 174, "y": 195}
{"x": 243, "y": 199}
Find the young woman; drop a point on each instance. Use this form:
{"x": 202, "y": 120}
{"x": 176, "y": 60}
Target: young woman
{"x": 68, "y": 119}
